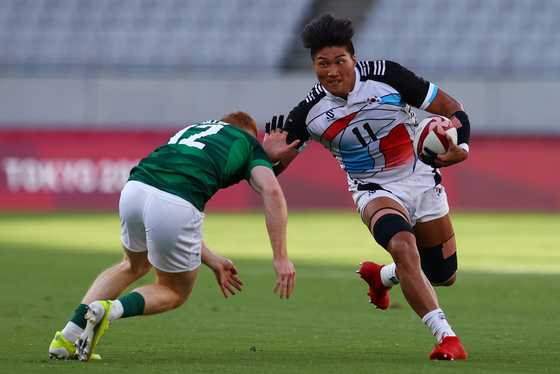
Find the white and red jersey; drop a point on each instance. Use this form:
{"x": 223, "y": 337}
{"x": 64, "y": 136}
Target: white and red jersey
{"x": 371, "y": 133}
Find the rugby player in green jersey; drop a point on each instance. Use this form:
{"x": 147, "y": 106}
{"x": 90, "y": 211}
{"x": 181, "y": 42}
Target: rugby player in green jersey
{"x": 161, "y": 209}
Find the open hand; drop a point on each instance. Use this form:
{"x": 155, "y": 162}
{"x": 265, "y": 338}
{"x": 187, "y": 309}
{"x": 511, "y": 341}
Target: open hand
{"x": 274, "y": 142}
{"x": 226, "y": 275}
{"x": 286, "y": 277}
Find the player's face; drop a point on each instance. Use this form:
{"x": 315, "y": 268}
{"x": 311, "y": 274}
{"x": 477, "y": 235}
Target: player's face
{"x": 334, "y": 67}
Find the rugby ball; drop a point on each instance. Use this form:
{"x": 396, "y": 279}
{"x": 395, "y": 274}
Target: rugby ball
{"x": 431, "y": 134}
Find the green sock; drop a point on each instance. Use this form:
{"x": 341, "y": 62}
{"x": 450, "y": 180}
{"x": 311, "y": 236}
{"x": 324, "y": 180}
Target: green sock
{"x": 133, "y": 305}
{"x": 79, "y": 316}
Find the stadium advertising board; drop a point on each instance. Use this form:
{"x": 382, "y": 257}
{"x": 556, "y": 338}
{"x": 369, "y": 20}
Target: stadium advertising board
{"x": 72, "y": 170}
{"x": 44, "y": 170}
{"x": 50, "y": 170}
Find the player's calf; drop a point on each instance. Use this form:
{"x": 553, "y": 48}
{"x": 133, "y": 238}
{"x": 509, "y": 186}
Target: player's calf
{"x": 439, "y": 263}
{"x": 384, "y": 225}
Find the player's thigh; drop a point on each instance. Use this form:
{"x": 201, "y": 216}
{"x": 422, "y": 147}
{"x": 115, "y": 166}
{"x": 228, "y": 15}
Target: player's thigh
{"x": 387, "y": 221}
{"x": 380, "y": 206}
{"x": 132, "y": 203}
{"x": 432, "y": 233}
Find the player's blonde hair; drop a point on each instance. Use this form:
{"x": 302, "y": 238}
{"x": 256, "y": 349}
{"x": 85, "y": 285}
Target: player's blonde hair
{"x": 242, "y": 120}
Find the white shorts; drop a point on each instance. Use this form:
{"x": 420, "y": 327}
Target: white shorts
{"x": 165, "y": 225}
{"x": 418, "y": 194}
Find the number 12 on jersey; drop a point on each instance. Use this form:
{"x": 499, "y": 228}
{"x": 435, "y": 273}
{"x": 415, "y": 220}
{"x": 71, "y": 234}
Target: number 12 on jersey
{"x": 191, "y": 140}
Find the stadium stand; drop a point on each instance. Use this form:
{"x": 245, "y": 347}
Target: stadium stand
{"x": 465, "y": 37}
{"x": 147, "y": 34}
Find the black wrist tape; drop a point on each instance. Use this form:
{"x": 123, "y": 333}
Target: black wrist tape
{"x": 463, "y": 132}
{"x": 277, "y": 169}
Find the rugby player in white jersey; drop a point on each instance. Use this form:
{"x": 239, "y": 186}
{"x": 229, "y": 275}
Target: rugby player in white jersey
{"x": 361, "y": 112}
{"x": 161, "y": 209}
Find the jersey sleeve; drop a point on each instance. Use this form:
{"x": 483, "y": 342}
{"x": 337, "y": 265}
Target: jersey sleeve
{"x": 296, "y": 123}
{"x": 414, "y": 90}
{"x": 296, "y": 127}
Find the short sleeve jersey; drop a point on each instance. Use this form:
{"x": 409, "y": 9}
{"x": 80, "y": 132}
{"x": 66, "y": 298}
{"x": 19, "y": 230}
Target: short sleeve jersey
{"x": 201, "y": 159}
{"x": 370, "y": 134}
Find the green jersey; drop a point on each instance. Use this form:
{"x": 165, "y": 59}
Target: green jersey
{"x": 200, "y": 159}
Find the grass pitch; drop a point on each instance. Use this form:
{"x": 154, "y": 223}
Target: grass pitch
{"x": 504, "y": 305}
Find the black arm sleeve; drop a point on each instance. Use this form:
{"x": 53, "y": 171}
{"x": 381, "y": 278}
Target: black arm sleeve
{"x": 277, "y": 168}
{"x": 463, "y": 132}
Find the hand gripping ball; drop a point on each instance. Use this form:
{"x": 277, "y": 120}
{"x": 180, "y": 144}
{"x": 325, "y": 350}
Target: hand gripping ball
{"x": 431, "y": 134}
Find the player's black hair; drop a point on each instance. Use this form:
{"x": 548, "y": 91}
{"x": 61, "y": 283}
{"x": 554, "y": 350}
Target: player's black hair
{"x": 328, "y": 31}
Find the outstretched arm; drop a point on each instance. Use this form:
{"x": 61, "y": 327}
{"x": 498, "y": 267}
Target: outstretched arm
{"x": 225, "y": 272}
{"x": 264, "y": 182}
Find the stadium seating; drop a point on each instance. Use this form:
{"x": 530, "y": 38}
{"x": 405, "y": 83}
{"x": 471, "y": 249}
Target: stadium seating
{"x": 458, "y": 37}
{"x": 465, "y": 37}
{"x": 147, "y": 34}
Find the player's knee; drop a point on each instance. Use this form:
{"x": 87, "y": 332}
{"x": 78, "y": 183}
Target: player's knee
{"x": 387, "y": 226}
{"x": 181, "y": 296}
{"x": 439, "y": 263}
{"x": 181, "y": 299}
{"x": 138, "y": 268}
{"x": 178, "y": 286}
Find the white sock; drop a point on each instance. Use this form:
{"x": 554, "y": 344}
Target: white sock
{"x": 116, "y": 311}
{"x": 437, "y": 322}
{"x": 389, "y": 276}
{"x": 71, "y": 332}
